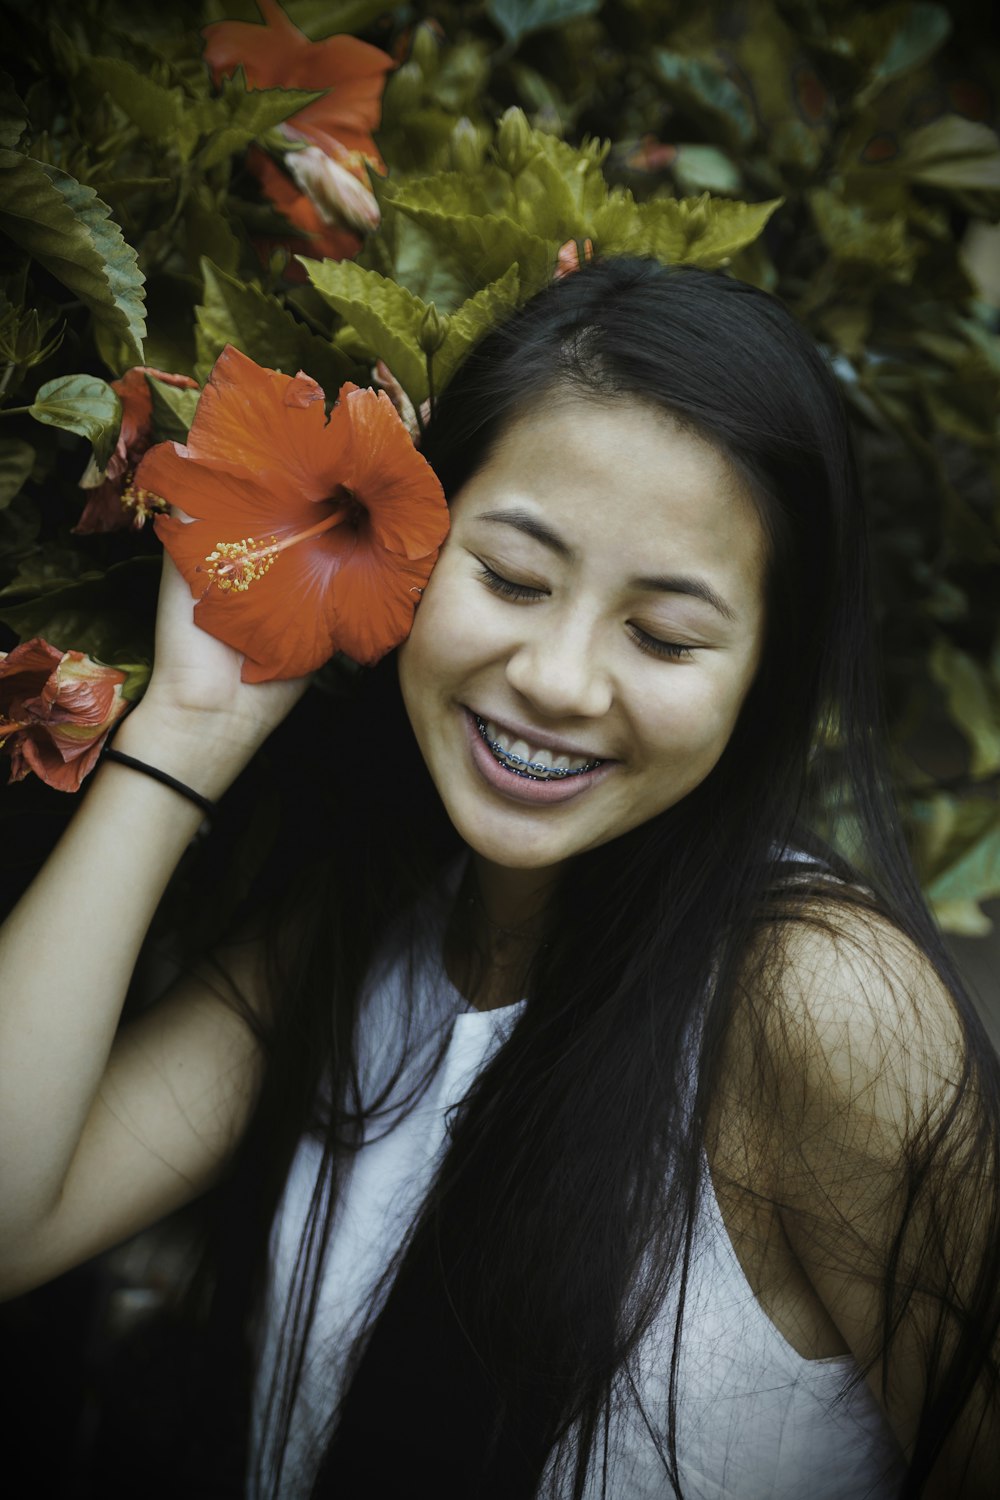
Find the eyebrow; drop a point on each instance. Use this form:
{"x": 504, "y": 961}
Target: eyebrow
{"x": 661, "y": 583}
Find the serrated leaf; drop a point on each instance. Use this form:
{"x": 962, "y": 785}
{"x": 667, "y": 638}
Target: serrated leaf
{"x": 483, "y": 247}
{"x": 519, "y": 18}
{"x": 383, "y": 313}
{"x": 684, "y": 231}
{"x": 467, "y": 326}
{"x": 67, "y": 229}
{"x": 161, "y": 115}
{"x": 239, "y": 115}
{"x": 259, "y": 326}
{"x": 17, "y": 459}
{"x": 82, "y": 404}
{"x": 173, "y": 410}
{"x": 972, "y": 702}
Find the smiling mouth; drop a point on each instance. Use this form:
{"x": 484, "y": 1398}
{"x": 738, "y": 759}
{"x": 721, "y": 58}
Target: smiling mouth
{"x": 533, "y": 765}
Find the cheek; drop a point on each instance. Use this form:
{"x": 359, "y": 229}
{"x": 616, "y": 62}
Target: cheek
{"x": 697, "y": 714}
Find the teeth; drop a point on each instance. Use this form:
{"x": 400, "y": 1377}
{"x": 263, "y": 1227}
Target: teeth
{"x": 535, "y": 764}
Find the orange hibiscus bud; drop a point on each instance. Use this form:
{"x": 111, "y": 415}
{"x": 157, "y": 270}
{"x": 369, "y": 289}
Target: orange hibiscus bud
{"x": 56, "y": 710}
{"x": 310, "y": 534}
{"x": 277, "y": 55}
{"x": 114, "y": 502}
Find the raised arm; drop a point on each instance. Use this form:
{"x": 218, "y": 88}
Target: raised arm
{"x": 103, "y": 1132}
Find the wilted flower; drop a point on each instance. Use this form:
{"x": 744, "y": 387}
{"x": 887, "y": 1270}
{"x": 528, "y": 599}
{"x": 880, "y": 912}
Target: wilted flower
{"x": 56, "y": 710}
{"x": 114, "y": 501}
{"x": 310, "y": 534}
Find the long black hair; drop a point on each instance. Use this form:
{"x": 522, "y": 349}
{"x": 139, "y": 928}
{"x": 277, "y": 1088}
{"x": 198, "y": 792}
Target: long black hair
{"x": 565, "y": 1206}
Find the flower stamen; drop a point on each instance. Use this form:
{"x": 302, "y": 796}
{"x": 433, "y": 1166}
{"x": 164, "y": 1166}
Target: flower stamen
{"x": 236, "y": 565}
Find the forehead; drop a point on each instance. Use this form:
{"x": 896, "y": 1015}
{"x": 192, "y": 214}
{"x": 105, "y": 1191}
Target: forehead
{"x": 626, "y": 479}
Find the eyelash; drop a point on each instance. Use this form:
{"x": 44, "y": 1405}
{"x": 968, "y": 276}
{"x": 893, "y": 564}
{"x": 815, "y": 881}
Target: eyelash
{"x": 508, "y": 590}
{"x": 665, "y": 650}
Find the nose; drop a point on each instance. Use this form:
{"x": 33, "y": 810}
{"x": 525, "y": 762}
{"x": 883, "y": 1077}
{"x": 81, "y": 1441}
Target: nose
{"x": 558, "y": 668}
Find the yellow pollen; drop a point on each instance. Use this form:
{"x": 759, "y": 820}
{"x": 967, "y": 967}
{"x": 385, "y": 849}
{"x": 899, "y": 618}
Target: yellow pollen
{"x": 236, "y": 565}
{"x": 143, "y": 503}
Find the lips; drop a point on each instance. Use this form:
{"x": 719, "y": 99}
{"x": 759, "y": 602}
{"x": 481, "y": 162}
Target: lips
{"x": 534, "y": 763}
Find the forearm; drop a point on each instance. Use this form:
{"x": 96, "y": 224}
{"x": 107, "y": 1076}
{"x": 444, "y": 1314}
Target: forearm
{"x": 68, "y": 950}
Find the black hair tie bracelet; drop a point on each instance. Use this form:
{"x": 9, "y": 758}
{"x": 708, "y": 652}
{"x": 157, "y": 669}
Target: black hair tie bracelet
{"x": 207, "y": 807}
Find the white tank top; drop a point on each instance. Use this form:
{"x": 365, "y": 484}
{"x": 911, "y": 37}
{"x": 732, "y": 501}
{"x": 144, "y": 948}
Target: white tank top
{"x": 755, "y": 1420}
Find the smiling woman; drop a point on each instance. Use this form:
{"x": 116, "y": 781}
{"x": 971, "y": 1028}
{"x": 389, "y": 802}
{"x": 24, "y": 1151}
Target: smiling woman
{"x": 621, "y": 638}
{"x": 589, "y": 1126}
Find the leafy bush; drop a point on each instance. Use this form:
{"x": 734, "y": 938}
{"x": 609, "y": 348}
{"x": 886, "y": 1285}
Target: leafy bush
{"x": 845, "y": 157}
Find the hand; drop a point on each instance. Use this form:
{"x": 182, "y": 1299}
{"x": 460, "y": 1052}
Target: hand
{"x": 196, "y": 678}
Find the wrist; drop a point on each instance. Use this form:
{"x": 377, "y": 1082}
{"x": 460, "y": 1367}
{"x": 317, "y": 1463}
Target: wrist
{"x": 205, "y": 751}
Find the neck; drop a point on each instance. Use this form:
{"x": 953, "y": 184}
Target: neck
{"x": 496, "y": 930}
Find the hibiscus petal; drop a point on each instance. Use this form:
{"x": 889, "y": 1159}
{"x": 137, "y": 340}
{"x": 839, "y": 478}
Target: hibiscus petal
{"x": 374, "y": 598}
{"x": 281, "y": 622}
{"x": 234, "y": 505}
{"x": 271, "y": 424}
{"x": 395, "y": 483}
{"x": 38, "y": 753}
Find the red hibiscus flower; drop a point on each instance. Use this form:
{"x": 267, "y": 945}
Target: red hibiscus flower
{"x": 114, "y": 501}
{"x": 310, "y": 534}
{"x": 56, "y": 709}
{"x": 277, "y": 55}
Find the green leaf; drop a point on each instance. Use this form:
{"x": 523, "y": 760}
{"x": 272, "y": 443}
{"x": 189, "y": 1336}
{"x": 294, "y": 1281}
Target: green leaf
{"x": 972, "y": 703}
{"x": 259, "y": 326}
{"x": 159, "y": 114}
{"x": 853, "y": 234}
{"x": 13, "y": 112}
{"x": 951, "y": 153}
{"x": 918, "y": 36}
{"x": 111, "y": 617}
{"x": 17, "y": 460}
{"x": 385, "y": 315}
{"x": 702, "y": 90}
{"x": 240, "y": 115}
{"x": 321, "y": 18}
{"x": 474, "y": 318}
{"x": 483, "y": 247}
{"x": 83, "y": 404}
{"x": 518, "y": 18}
{"x": 67, "y": 228}
{"x": 974, "y": 876}
{"x": 685, "y": 231}
{"x": 173, "y": 409}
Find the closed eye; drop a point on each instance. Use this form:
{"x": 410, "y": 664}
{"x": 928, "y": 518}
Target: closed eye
{"x": 666, "y": 650}
{"x": 505, "y": 587}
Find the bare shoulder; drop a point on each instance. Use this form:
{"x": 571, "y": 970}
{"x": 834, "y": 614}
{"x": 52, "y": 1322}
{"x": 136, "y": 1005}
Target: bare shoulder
{"x": 861, "y": 1017}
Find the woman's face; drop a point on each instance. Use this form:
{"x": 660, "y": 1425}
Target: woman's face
{"x": 597, "y": 611}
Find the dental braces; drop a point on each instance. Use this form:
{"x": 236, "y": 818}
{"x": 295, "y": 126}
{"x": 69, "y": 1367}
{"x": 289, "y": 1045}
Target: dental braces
{"x": 531, "y": 770}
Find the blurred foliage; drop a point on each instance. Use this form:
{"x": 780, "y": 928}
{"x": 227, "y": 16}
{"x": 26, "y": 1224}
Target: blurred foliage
{"x": 844, "y": 156}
